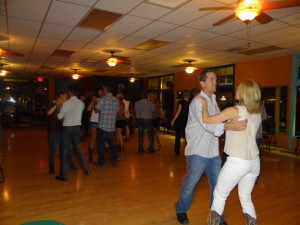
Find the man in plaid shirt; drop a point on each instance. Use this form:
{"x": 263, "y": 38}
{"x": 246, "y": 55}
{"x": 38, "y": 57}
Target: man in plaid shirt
{"x": 108, "y": 106}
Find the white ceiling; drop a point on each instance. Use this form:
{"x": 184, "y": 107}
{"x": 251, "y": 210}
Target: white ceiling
{"x": 36, "y": 28}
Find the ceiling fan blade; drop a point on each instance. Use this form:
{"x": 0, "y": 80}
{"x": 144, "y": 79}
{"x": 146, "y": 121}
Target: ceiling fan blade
{"x": 224, "y": 20}
{"x": 263, "y": 18}
{"x": 217, "y": 8}
{"x": 280, "y": 4}
{"x": 8, "y": 52}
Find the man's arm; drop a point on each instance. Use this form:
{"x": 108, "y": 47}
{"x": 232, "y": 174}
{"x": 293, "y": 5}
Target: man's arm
{"x": 236, "y": 125}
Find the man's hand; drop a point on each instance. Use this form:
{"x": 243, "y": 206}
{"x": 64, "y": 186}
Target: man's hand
{"x": 236, "y": 125}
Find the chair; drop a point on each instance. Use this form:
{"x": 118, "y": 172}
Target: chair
{"x": 268, "y": 133}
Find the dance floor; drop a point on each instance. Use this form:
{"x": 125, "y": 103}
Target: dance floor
{"x": 140, "y": 190}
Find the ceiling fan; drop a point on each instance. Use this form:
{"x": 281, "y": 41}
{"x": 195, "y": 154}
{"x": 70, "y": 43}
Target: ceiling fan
{"x": 4, "y": 51}
{"x": 114, "y": 60}
{"x": 254, "y": 8}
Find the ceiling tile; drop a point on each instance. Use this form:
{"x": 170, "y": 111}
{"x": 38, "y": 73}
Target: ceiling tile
{"x": 168, "y": 48}
{"x": 229, "y": 27}
{"x": 154, "y": 29}
{"x": 83, "y": 34}
{"x": 149, "y": 11}
{"x": 28, "y": 9}
{"x": 47, "y": 43}
{"x": 115, "y": 6}
{"x": 71, "y": 45}
{"x": 131, "y": 41}
{"x": 293, "y": 19}
{"x": 81, "y": 2}
{"x": 177, "y": 34}
{"x": 23, "y": 27}
{"x": 55, "y": 31}
{"x": 55, "y": 60}
{"x": 198, "y": 37}
{"x": 206, "y": 22}
{"x": 217, "y": 41}
{"x": 63, "y": 13}
{"x": 129, "y": 24}
{"x": 107, "y": 39}
{"x": 189, "y": 12}
{"x": 278, "y": 13}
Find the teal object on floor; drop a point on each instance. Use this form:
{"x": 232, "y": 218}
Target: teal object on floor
{"x": 43, "y": 222}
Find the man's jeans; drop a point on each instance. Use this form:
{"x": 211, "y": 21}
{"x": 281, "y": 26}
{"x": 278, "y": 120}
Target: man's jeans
{"x": 71, "y": 136}
{"x": 145, "y": 124}
{"x": 196, "y": 166}
{"x": 102, "y": 137}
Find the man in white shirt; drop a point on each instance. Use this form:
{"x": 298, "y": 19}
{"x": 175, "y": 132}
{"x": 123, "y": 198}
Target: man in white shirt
{"x": 202, "y": 149}
{"x": 71, "y": 113}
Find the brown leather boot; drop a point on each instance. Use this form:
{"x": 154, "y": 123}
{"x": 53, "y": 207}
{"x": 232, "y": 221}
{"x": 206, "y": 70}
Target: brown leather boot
{"x": 213, "y": 218}
{"x": 250, "y": 220}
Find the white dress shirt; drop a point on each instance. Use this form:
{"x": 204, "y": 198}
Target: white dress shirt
{"x": 202, "y": 138}
{"x": 71, "y": 112}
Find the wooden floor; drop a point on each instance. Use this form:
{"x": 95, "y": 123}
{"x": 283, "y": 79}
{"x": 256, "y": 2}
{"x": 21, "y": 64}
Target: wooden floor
{"x": 140, "y": 190}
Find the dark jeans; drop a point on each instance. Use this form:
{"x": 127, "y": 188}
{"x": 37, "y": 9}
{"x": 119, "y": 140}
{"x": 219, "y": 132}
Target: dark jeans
{"x": 145, "y": 124}
{"x": 71, "y": 136}
{"x": 54, "y": 142}
{"x": 102, "y": 137}
{"x": 180, "y": 132}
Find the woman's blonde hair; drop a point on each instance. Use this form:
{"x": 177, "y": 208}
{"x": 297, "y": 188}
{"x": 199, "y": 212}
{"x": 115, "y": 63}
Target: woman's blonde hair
{"x": 250, "y": 96}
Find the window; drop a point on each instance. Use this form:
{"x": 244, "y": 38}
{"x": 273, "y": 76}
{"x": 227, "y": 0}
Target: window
{"x": 153, "y": 84}
{"x": 225, "y": 75}
{"x": 275, "y": 100}
{"x": 166, "y": 82}
{"x": 297, "y": 127}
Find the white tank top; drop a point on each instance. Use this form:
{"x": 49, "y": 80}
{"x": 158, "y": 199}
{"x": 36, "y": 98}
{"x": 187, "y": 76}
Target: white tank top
{"x": 242, "y": 144}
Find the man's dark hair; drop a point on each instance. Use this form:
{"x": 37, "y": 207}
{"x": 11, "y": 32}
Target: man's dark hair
{"x": 144, "y": 94}
{"x": 106, "y": 87}
{"x": 203, "y": 74}
{"x": 73, "y": 90}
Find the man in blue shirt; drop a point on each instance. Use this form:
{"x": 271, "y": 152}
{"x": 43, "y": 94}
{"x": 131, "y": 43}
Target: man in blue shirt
{"x": 108, "y": 107}
{"x": 144, "y": 111}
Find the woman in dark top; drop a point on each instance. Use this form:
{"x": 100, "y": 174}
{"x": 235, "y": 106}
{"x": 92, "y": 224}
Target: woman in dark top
{"x": 180, "y": 120}
{"x": 55, "y": 126}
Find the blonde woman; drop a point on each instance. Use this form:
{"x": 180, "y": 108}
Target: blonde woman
{"x": 243, "y": 163}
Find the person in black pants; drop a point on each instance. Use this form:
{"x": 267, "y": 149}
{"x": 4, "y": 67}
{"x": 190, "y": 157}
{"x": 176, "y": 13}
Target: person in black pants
{"x": 180, "y": 120}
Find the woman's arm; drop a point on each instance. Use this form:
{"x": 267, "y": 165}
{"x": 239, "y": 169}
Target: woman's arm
{"x": 177, "y": 114}
{"x": 227, "y": 114}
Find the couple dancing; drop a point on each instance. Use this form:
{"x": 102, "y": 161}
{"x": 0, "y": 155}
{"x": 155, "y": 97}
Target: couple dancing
{"x": 242, "y": 167}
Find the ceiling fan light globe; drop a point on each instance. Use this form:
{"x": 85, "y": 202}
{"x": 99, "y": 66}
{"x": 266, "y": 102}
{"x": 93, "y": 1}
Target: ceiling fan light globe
{"x": 131, "y": 79}
{"x": 2, "y": 73}
{"x": 75, "y": 76}
{"x": 248, "y": 9}
{"x": 112, "y": 61}
{"x": 189, "y": 69}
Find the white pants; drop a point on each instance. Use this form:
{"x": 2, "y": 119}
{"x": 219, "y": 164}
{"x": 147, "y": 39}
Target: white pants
{"x": 236, "y": 171}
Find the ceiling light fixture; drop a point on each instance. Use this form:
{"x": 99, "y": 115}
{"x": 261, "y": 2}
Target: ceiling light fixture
{"x": 189, "y": 69}
{"x": 112, "y": 61}
{"x": 247, "y": 10}
{"x": 75, "y": 75}
{"x": 2, "y": 71}
{"x": 132, "y": 79}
